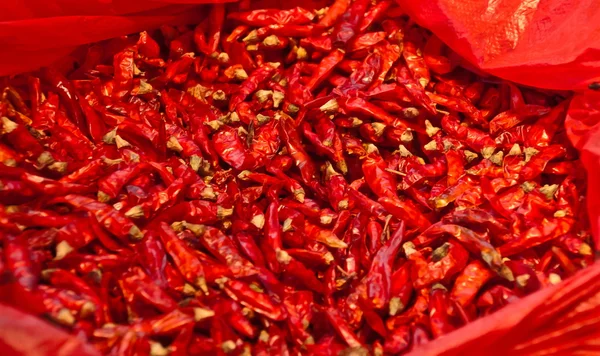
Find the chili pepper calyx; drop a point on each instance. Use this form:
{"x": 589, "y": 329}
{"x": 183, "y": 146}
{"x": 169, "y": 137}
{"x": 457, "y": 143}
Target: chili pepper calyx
{"x": 262, "y": 119}
{"x": 283, "y": 257}
{"x": 430, "y": 129}
{"x": 470, "y": 156}
{"x": 196, "y": 229}
{"x": 560, "y": 214}
{"x": 135, "y": 233}
{"x": 109, "y": 137}
{"x": 219, "y": 95}
{"x": 301, "y": 54}
{"x": 135, "y": 212}
{"x": 157, "y": 349}
{"x": 188, "y": 290}
{"x": 264, "y": 336}
{"x": 223, "y": 58}
{"x": 515, "y": 150}
{"x": 343, "y": 204}
{"x": 88, "y": 308}
{"x": 178, "y": 226}
{"x": 528, "y": 186}
{"x": 277, "y": 98}
{"x": 371, "y": 148}
{"x": 59, "y": 167}
{"x": 530, "y": 152}
{"x": 438, "y": 286}
{"x": 409, "y": 248}
{"x": 554, "y": 278}
{"x": 549, "y": 190}
{"x": 258, "y": 221}
{"x": 222, "y": 213}
{"x": 251, "y": 37}
{"x": 263, "y": 95}
{"x": 410, "y": 113}
{"x": 331, "y": 106}
{"x": 487, "y": 152}
{"x": 44, "y": 159}
{"x": 271, "y": 41}
{"x": 65, "y": 317}
{"x": 143, "y": 88}
{"x": 121, "y": 142}
{"x": 203, "y": 313}
{"x": 396, "y": 306}
{"x": 7, "y": 125}
{"x": 62, "y": 249}
{"x": 404, "y": 152}
{"x": 506, "y": 273}
{"x": 299, "y": 195}
{"x": 214, "y": 125}
{"x": 496, "y": 158}
{"x": 228, "y": 346}
{"x": 201, "y": 283}
{"x": 431, "y": 146}
{"x": 287, "y": 225}
{"x": 522, "y": 280}
{"x": 11, "y": 162}
{"x": 440, "y": 252}
{"x": 585, "y": 249}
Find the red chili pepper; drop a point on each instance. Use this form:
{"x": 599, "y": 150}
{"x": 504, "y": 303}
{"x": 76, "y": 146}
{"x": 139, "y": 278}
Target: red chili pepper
{"x": 508, "y": 119}
{"x": 335, "y": 11}
{"x": 469, "y": 282}
{"x": 106, "y": 215}
{"x": 250, "y": 85}
{"x": 415, "y": 63}
{"x": 18, "y": 261}
{"x": 438, "y": 311}
{"x": 185, "y": 261}
{"x": 349, "y": 24}
{"x": 378, "y": 280}
{"x": 477, "y": 140}
{"x": 258, "y": 302}
{"x": 327, "y": 65}
{"x": 266, "y": 17}
{"x": 342, "y": 328}
{"x": 143, "y": 287}
{"x": 445, "y": 262}
{"x": 401, "y": 290}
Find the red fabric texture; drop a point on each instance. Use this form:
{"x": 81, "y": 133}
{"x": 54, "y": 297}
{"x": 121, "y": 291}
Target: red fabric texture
{"x": 551, "y": 44}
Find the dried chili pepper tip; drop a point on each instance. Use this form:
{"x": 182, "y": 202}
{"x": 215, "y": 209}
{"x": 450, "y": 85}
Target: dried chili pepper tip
{"x": 135, "y": 233}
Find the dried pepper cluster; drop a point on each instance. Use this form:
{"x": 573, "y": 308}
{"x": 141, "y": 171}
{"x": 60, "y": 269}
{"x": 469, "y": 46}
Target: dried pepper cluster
{"x": 281, "y": 182}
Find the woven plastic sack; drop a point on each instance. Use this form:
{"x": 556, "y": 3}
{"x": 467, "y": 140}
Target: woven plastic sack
{"x": 552, "y": 44}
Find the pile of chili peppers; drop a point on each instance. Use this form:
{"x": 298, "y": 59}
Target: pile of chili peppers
{"x": 281, "y": 182}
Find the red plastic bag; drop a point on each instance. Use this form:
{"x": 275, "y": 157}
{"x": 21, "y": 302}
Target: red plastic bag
{"x": 552, "y": 44}
{"x": 544, "y": 43}
{"x": 554, "y": 321}
{"x": 34, "y": 33}
{"x": 24, "y": 334}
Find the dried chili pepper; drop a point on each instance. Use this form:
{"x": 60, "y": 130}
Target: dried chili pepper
{"x": 224, "y": 144}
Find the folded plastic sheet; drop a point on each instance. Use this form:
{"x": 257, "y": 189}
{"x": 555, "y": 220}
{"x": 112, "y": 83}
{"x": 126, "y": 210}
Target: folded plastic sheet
{"x": 551, "y": 44}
